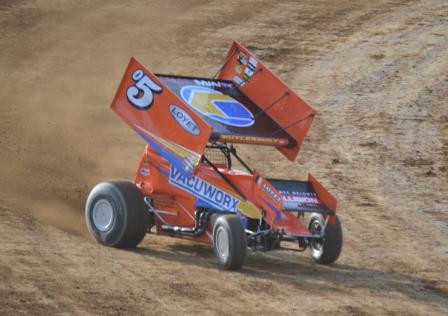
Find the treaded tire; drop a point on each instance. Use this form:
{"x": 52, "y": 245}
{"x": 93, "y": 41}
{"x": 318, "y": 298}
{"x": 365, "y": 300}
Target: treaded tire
{"x": 116, "y": 214}
{"x": 229, "y": 242}
{"x": 325, "y": 251}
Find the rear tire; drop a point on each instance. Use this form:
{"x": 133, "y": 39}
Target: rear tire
{"x": 229, "y": 242}
{"x": 116, "y": 214}
{"x": 328, "y": 249}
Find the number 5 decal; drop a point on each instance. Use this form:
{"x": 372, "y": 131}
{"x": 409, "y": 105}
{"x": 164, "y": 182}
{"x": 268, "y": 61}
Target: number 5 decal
{"x": 141, "y": 94}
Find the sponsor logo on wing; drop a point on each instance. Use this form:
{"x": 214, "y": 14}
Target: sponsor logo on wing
{"x": 300, "y": 199}
{"x": 217, "y": 106}
{"x": 271, "y": 192}
{"x": 203, "y": 190}
{"x": 242, "y": 59}
{"x": 184, "y": 119}
{"x": 212, "y": 83}
{"x": 252, "y": 63}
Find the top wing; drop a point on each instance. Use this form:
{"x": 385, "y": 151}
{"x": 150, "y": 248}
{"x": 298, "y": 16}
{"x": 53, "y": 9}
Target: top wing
{"x": 272, "y": 96}
{"x": 160, "y": 117}
{"x": 179, "y": 115}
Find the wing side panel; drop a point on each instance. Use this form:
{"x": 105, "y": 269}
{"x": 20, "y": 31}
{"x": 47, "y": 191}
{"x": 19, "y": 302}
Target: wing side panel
{"x": 160, "y": 117}
{"x": 271, "y": 94}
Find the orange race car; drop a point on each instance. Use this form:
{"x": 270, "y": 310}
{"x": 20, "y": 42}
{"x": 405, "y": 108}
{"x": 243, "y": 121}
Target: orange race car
{"x": 192, "y": 184}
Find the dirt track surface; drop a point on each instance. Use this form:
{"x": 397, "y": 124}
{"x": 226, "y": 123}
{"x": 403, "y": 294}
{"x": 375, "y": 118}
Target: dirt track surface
{"x": 376, "y": 73}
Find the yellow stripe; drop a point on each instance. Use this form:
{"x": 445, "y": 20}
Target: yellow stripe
{"x": 181, "y": 151}
{"x": 249, "y": 209}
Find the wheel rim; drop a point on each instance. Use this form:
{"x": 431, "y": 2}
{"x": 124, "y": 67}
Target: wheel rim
{"x": 222, "y": 243}
{"x": 316, "y": 244}
{"x": 103, "y": 215}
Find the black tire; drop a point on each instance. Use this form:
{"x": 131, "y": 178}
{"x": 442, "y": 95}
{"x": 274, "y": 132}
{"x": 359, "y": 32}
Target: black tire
{"x": 214, "y": 217}
{"x": 328, "y": 249}
{"x": 116, "y": 214}
{"x": 231, "y": 254}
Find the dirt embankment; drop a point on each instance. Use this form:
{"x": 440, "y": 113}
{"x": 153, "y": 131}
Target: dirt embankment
{"x": 376, "y": 73}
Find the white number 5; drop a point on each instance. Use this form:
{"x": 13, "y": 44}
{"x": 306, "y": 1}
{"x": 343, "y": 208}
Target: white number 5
{"x": 141, "y": 94}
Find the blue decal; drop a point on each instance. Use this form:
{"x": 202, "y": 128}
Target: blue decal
{"x": 144, "y": 172}
{"x": 217, "y": 106}
{"x": 164, "y": 172}
{"x": 172, "y": 159}
{"x": 278, "y": 215}
{"x": 204, "y": 204}
{"x": 203, "y": 190}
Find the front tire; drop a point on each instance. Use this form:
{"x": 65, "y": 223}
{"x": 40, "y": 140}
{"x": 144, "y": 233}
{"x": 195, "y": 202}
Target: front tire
{"x": 229, "y": 242}
{"x": 327, "y": 249}
{"x": 116, "y": 214}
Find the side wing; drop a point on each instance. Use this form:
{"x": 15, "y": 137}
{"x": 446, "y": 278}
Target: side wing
{"x": 163, "y": 120}
{"x": 272, "y": 96}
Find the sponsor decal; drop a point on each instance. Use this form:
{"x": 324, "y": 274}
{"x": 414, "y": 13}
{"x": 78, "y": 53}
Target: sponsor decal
{"x": 270, "y": 192}
{"x": 252, "y": 63}
{"x": 242, "y": 59}
{"x": 248, "y": 72}
{"x": 238, "y": 81}
{"x": 144, "y": 172}
{"x": 244, "y": 69}
{"x": 299, "y": 197}
{"x": 184, "y": 119}
{"x": 211, "y": 83}
{"x": 217, "y": 106}
{"x": 141, "y": 94}
{"x": 203, "y": 190}
{"x": 254, "y": 140}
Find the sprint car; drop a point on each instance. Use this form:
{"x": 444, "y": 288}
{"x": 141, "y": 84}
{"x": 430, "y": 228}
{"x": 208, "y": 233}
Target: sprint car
{"x": 192, "y": 184}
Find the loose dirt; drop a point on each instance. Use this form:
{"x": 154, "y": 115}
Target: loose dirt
{"x": 376, "y": 72}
